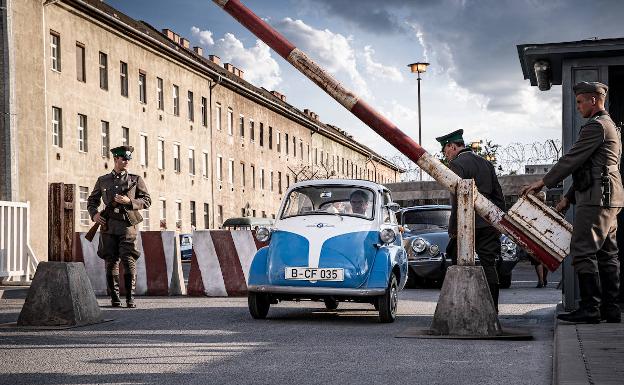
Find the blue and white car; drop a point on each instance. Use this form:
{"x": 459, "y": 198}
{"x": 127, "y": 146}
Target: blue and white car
{"x": 333, "y": 240}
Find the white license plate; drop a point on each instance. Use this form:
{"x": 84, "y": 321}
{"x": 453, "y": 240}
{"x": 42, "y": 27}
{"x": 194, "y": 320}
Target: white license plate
{"x": 314, "y": 274}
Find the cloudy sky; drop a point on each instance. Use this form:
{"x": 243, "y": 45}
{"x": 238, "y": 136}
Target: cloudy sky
{"x": 474, "y": 81}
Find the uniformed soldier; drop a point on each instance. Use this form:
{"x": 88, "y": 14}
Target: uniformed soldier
{"x": 124, "y": 195}
{"x": 594, "y": 163}
{"x": 468, "y": 165}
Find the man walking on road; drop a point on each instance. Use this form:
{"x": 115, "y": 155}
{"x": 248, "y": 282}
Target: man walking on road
{"x": 594, "y": 162}
{"x": 468, "y": 165}
{"x": 126, "y": 194}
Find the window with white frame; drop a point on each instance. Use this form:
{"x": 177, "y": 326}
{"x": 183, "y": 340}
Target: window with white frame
{"x": 55, "y": 51}
{"x": 82, "y": 133}
{"x": 219, "y": 167}
{"x": 105, "y": 139}
{"x": 205, "y": 164}
{"x": 123, "y": 78}
{"x": 218, "y": 116}
{"x": 178, "y": 214}
{"x": 204, "y": 111}
{"x": 190, "y": 105}
{"x": 231, "y": 171}
{"x": 81, "y": 72}
{"x": 176, "y": 100}
{"x": 103, "y": 71}
{"x": 160, "y": 94}
{"x": 206, "y": 216}
{"x": 262, "y": 179}
{"x": 160, "y": 154}
{"x": 252, "y": 133}
{"x": 253, "y": 176}
{"x": 278, "y": 141}
{"x": 191, "y": 158}
{"x": 143, "y": 150}
{"x": 84, "y": 213}
{"x": 230, "y": 121}
{"x": 241, "y": 125}
{"x": 176, "y": 157}
{"x": 162, "y": 214}
{"x": 125, "y": 136}
{"x": 271, "y": 181}
{"x": 57, "y": 127}
{"x": 142, "y": 87}
{"x": 220, "y": 215}
{"x": 242, "y": 174}
{"x": 146, "y": 219}
{"x": 193, "y": 215}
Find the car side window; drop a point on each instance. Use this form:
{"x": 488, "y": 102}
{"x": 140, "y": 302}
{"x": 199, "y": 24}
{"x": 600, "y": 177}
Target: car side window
{"x": 389, "y": 216}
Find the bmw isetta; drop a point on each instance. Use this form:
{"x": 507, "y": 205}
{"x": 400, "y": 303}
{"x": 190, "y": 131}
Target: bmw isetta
{"x": 333, "y": 240}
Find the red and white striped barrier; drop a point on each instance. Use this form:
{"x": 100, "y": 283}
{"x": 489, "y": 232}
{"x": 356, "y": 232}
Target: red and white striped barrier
{"x": 221, "y": 262}
{"x": 159, "y": 269}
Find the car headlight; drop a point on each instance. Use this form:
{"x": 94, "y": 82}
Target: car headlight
{"x": 263, "y": 234}
{"x": 419, "y": 245}
{"x": 434, "y": 250}
{"x": 387, "y": 235}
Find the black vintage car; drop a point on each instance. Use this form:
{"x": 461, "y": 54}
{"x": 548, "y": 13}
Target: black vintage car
{"x": 425, "y": 239}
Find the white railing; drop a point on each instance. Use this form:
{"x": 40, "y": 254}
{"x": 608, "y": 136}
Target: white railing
{"x": 17, "y": 260}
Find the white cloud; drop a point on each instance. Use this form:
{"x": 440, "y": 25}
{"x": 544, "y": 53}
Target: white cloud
{"x": 333, "y": 52}
{"x": 378, "y": 70}
{"x": 204, "y": 37}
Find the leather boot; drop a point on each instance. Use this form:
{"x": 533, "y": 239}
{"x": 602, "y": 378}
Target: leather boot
{"x": 129, "y": 281}
{"x": 588, "y": 311}
{"x": 112, "y": 282}
{"x": 609, "y": 308}
{"x": 494, "y": 291}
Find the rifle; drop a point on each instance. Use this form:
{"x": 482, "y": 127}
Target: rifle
{"x": 105, "y": 213}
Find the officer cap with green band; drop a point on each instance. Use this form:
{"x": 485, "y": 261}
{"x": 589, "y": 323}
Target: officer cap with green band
{"x": 123, "y": 151}
{"x": 590, "y": 87}
{"x": 455, "y": 136}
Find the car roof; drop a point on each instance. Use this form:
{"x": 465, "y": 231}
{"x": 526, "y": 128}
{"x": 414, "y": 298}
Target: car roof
{"x": 338, "y": 182}
{"x": 247, "y": 221}
{"x": 426, "y": 207}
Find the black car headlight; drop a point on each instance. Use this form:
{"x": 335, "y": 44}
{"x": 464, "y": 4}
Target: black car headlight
{"x": 419, "y": 245}
{"x": 263, "y": 234}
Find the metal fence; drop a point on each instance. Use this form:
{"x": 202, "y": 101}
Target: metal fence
{"x": 17, "y": 260}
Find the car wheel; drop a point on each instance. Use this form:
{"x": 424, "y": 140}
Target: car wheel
{"x": 331, "y": 303}
{"x": 389, "y": 301}
{"x": 504, "y": 281}
{"x": 258, "y": 305}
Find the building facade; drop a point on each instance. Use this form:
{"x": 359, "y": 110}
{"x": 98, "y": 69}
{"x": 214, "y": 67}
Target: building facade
{"x": 80, "y": 78}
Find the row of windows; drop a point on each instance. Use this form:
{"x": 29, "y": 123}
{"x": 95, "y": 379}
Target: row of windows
{"x": 103, "y": 70}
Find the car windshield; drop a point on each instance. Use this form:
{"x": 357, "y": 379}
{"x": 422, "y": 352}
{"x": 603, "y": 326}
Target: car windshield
{"x": 336, "y": 200}
{"x": 426, "y": 219}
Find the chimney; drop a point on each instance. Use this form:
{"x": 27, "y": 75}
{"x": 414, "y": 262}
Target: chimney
{"x": 241, "y": 73}
{"x": 307, "y": 112}
{"x": 185, "y": 43}
{"x": 169, "y": 33}
{"x": 199, "y": 51}
{"x": 215, "y": 59}
{"x": 229, "y": 67}
{"x": 283, "y": 97}
{"x": 236, "y": 71}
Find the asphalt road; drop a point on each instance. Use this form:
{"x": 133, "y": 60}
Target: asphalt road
{"x": 183, "y": 340}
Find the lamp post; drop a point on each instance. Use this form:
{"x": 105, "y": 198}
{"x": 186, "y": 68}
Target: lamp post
{"x": 419, "y": 68}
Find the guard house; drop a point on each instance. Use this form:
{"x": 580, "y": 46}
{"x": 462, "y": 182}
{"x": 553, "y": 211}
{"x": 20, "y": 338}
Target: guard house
{"x": 566, "y": 64}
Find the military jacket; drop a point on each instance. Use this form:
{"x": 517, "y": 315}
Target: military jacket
{"x": 469, "y": 165}
{"x": 124, "y": 218}
{"x": 598, "y": 145}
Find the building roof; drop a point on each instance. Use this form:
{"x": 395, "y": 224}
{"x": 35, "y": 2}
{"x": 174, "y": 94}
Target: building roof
{"x": 147, "y": 33}
{"x": 556, "y": 53}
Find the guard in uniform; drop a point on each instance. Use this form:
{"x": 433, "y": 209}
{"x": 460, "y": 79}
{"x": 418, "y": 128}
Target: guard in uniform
{"x": 123, "y": 195}
{"x": 594, "y": 163}
{"x": 468, "y": 165}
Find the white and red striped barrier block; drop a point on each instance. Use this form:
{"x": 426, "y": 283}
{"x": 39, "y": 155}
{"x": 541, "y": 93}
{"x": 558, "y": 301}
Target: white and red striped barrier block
{"x": 159, "y": 269}
{"x": 221, "y": 262}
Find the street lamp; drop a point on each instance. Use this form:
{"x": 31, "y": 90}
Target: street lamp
{"x": 419, "y": 68}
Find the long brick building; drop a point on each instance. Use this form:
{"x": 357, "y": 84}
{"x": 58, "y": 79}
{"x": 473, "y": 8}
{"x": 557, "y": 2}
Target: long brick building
{"x": 80, "y": 77}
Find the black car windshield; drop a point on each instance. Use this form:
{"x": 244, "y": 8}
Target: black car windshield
{"x": 426, "y": 219}
{"x": 336, "y": 200}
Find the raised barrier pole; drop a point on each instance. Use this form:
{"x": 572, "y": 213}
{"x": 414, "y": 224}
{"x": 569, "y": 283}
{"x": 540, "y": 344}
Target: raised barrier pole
{"x": 523, "y": 236}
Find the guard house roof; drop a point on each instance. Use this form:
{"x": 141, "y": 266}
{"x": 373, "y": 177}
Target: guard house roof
{"x": 556, "y": 53}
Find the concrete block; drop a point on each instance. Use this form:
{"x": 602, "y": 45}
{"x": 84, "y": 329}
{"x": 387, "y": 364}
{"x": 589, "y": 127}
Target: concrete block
{"x": 60, "y": 295}
{"x": 465, "y": 306}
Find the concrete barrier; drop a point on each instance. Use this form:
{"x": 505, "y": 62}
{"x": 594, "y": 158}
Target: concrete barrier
{"x": 221, "y": 262}
{"x": 159, "y": 269}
